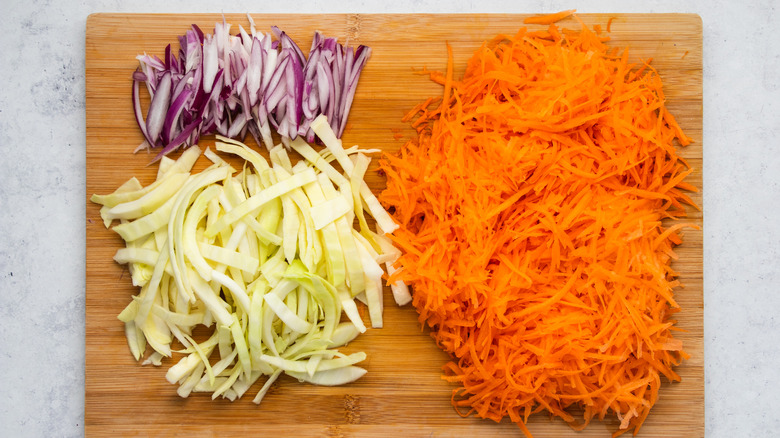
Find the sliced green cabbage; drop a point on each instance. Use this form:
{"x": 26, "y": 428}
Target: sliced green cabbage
{"x": 321, "y": 127}
{"x": 267, "y": 258}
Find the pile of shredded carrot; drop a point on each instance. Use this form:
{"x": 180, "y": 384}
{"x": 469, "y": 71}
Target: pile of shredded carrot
{"x": 534, "y": 206}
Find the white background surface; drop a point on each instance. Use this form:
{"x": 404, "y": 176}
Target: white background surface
{"x": 42, "y": 195}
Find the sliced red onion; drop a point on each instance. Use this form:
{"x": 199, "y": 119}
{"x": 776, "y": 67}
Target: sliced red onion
{"x": 254, "y": 72}
{"x": 217, "y": 87}
{"x": 182, "y": 83}
{"x": 221, "y": 35}
{"x": 270, "y": 60}
{"x": 179, "y": 140}
{"x": 245, "y": 105}
{"x": 198, "y": 32}
{"x": 287, "y": 43}
{"x": 246, "y": 40}
{"x": 137, "y": 110}
{"x": 294, "y": 97}
{"x": 192, "y": 51}
{"x": 338, "y": 84}
{"x": 210, "y": 62}
{"x": 152, "y": 62}
{"x": 168, "y": 57}
{"x": 351, "y": 80}
{"x": 159, "y": 106}
{"x": 327, "y": 91}
{"x": 310, "y": 102}
{"x": 221, "y": 123}
{"x": 276, "y": 88}
{"x": 311, "y": 65}
{"x": 247, "y": 83}
{"x": 172, "y": 118}
{"x": 237, "y": 126}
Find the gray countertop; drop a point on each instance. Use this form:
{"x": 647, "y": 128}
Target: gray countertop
{"x": 42, "y": 194}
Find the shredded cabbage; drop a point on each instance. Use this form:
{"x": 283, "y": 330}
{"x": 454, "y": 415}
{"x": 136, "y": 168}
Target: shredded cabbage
{"x": 267, "y": 257}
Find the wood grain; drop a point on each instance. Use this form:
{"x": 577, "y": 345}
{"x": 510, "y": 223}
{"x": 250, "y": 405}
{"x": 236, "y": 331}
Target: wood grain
{"x": 402, "y": 394}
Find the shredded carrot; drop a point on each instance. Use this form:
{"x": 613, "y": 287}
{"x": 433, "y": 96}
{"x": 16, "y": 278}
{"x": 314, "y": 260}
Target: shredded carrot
{"x": 549, "y": 18}
{"x": 534, "y": 205}
{"x": 609, "y": 24}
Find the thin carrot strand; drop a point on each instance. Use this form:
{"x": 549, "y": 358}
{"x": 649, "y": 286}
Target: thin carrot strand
{"x": 549, "y": 18}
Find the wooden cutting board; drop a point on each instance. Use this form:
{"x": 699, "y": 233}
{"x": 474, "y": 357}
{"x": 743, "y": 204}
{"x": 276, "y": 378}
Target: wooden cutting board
{"x": 402, "y": 394}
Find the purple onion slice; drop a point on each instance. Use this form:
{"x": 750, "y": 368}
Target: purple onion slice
{"x": 159, "y": 107}
{"x": 244, "y": 84}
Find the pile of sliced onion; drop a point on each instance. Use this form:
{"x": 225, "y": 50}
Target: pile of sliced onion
{"x": 268, "y": 258}
{"x": 248, "y": 82}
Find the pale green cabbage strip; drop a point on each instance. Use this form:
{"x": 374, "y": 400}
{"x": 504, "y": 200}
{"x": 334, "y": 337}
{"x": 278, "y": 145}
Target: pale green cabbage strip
{"x": 267, "y": 259}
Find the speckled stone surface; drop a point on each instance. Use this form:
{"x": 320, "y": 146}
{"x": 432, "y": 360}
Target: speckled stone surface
{"x": 42, "y": 196}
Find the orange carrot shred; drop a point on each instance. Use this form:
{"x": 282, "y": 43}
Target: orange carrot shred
{"x": 549, "y": 18}
{"x": 534, "y": 207}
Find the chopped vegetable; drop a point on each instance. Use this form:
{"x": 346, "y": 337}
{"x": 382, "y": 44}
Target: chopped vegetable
{"x": 243, "y": 254}
{"x": 533, "y": 209}
{"x": 248, "y": 82}
{"x": 549, "y": 18}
